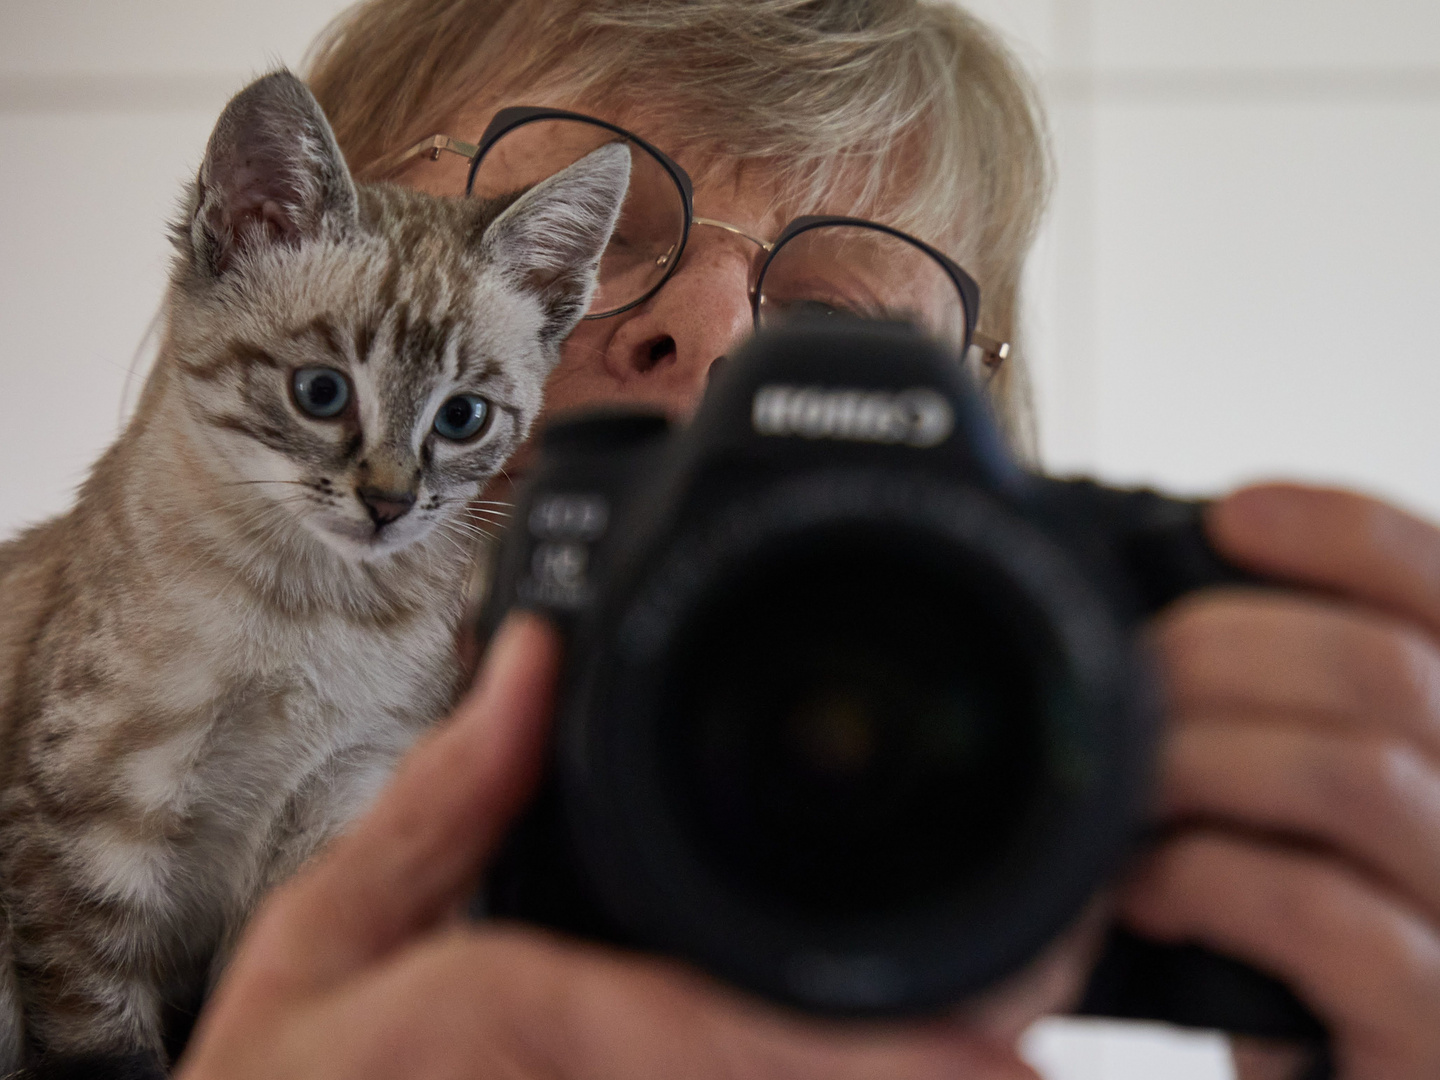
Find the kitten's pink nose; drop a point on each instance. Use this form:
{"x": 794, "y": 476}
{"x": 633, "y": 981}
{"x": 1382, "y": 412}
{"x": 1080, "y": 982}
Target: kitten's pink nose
{"x": 386, "y": 506}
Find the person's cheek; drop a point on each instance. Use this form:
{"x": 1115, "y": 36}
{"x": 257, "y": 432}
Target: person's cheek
{"x": 582, "y": 378}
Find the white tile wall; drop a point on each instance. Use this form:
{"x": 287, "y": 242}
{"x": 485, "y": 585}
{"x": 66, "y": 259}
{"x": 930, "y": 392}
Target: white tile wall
{"x": 1265, "y": 35}
{"x": 82, "y": 229}
{"x": 1238, "y": 278}
{"x": 1267, "y": 275}
{"x": 156, "y": 37}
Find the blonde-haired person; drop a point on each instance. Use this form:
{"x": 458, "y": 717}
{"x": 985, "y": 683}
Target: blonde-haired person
{"x": 1304, "y": 758}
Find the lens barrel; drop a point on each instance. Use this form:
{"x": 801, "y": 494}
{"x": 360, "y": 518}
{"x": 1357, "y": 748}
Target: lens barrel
{"x": 860, "y": 741}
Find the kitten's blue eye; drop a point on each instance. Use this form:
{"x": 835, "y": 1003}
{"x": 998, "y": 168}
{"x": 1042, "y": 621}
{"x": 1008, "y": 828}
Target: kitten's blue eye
{"x": 321, "y": 391}
{"x": 462, "y": 417}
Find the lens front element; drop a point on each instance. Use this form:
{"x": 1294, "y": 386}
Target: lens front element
{"x": 845, "y": 741}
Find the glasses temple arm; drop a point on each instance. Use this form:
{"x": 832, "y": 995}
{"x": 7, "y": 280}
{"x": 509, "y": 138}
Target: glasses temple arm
{"x": 432, "y": 148}
{"x": 993, "y": 352}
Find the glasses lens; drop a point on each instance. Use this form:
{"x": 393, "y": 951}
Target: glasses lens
{"x": 651, "y": 228}
{"x": 863, "y": 271}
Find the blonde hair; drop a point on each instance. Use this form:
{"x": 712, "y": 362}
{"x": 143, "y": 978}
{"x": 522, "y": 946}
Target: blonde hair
{"x": 913, "y": 112}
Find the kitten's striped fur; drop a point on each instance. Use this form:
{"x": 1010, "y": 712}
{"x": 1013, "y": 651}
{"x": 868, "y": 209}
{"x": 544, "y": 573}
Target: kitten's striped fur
{"x": 212, "y": 662}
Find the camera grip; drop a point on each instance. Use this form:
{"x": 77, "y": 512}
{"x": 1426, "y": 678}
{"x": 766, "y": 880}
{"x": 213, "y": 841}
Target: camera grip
{"x": 1137, "y": 979}
{"x": 1166, "y": 551}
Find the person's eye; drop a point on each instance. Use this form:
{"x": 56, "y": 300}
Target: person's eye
{"x": 815, "y": 309}
{"x": 462, "y": 417}
{"x": 809, "y": 307}
{"x": 321, "y": 392}
{"x": 628, "y": 252}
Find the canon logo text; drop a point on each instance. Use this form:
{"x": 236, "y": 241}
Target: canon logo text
{"x": 918, "y": 417}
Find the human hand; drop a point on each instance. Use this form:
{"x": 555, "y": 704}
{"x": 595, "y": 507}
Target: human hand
{"x": 1304, "y": 765}
{"x": 360, "y": 968}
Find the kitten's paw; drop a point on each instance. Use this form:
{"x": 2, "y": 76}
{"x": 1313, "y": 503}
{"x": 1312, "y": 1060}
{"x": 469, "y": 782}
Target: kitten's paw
{"x": 132, "y": 1066}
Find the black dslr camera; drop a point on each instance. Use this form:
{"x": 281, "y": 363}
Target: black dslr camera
{"x": 853, "y": 712}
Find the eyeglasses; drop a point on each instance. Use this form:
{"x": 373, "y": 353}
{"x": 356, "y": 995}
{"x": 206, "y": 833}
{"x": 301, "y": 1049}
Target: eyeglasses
{"x": 817, "y": 264}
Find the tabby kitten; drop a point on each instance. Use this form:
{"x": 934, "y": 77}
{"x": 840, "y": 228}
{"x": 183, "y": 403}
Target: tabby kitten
{"x": 213, "y": 661}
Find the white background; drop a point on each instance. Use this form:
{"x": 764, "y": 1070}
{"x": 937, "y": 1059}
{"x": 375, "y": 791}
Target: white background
{"x": 1238, "y": 279}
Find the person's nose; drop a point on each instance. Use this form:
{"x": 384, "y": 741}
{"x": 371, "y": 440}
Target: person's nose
{"x": 666, "y": 349}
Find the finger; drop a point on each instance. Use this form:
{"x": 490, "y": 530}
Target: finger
{"x": 404, "y": 864}
{"x": 1358, "y": 546}
{"x": 1367, "y": 963}
{"x": 1305, "y": 658}
{"x": 1376, "y": 800}
{"x": 515, "y": 1002}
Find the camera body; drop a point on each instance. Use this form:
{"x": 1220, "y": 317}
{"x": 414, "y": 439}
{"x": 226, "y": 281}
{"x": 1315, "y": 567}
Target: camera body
{"x": 854, "y": 712}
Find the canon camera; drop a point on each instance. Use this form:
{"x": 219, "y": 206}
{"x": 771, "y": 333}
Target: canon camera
{"x": 853, "y": 712}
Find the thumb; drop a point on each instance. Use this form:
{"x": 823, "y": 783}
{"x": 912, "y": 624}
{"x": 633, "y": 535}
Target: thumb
{"x": 403, "y": 865}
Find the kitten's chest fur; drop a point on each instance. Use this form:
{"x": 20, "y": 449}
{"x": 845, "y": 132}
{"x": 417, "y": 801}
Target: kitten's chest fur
{"x": 290, "y": 724}
{"x": 264, "y": 697}
{"x": 176, "y": 714}
{"x": 177, "y": 739}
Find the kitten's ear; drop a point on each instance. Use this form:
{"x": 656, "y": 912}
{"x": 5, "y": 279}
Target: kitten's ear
{"x": 549, "y": 241}
{"x": 273, "y": 174}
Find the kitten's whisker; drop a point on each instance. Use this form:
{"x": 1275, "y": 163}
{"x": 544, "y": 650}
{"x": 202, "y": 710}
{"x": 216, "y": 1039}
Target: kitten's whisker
{"x": 266, "y": 512}
{"x": 593, "y": 350}
{"x": 455, "y": 543}
{"x": 262, "y": 510}
{"x": 469, "y": 528}
{"x": 478, "y": 538}
{"x": 238, "y": 483}
{"x": 462, "y": 523}
{"x": 208, "y": 553}
{"x": 473, "y": 540}
{"x": 467, "y": 548}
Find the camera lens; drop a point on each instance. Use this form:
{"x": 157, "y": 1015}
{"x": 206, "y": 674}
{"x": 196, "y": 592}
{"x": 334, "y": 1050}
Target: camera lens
{"x": 852, "y": 725}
